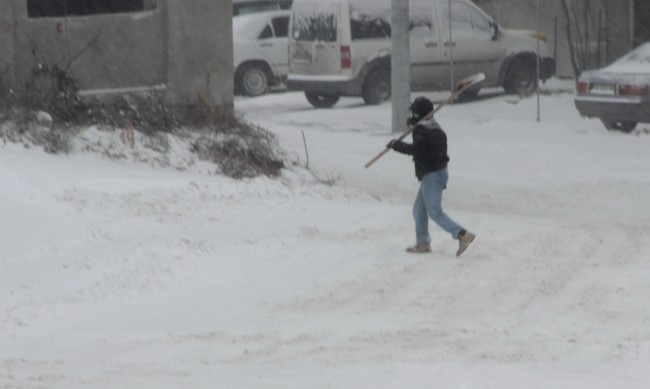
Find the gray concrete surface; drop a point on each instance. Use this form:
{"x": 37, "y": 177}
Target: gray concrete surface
{"x": 181, "y": 47}
{"x": 522, "y": 14}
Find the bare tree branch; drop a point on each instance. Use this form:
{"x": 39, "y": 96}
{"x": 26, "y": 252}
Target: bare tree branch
{"x": 583, "y": 25}
{"x": 85, "y": 48}
{"x": 572, "y": 53}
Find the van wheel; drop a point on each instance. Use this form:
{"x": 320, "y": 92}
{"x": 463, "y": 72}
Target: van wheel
{"x": 321, "y": 100}
{"x": 377, "y": 87}
{"x": 252, "y": 80}
{"x": 521, "y": 77}
{"x": 624, "y": 126}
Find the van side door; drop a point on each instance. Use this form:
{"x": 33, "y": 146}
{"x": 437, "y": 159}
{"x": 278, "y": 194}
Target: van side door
{"x": 429, "y": 68}
{"x": 474, "y": 45}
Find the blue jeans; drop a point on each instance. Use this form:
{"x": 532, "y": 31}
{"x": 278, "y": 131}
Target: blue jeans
{"x": 428, "y": 203}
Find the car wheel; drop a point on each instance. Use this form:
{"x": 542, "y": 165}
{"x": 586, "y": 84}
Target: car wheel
{"x": 623, "y": 126}
{"x": 377, "y": 87}
{"x": 321, "y": 100}
{"x": 521, "y": 77}
{"x": 252, "y": 80}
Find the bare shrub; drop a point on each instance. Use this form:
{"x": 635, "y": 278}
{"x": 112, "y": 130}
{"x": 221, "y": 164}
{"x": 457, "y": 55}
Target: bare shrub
{"x": 242, "y": 152}
{"x": 55, "y": 141}
{"x": 584, "y": 27}
{"x": 53, "y": 90}
{"x": 5, "y": 93}
{"x": 238, "y": 148}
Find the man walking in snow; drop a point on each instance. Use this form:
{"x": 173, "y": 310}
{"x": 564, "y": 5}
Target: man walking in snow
{"x": 429, "y": 151}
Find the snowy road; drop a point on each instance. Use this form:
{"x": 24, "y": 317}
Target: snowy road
{"x": 119, "y": 275}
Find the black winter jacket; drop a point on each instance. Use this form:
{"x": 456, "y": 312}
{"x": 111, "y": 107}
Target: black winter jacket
{"x": 429, "y": 148}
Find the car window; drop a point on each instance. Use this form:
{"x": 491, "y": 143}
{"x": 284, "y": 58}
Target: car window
{"x": 281, "y": 26}
{"x": 266, "y": 33}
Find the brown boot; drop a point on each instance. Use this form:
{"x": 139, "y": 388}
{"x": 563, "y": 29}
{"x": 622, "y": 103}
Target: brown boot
{"x": 464, "y": 239}
{"x": 419, "y": 248}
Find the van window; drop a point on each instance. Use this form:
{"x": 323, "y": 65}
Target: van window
{"x": 461, "y": 23}
{"x": 464, "y": 20}
{"x": 315, "y": 21}
{"x": 369, "y": 23}
{"x": 480, "y": 24}
{"x": 420, "y": 19}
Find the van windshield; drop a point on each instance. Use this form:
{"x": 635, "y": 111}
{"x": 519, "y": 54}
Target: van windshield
{"x": 315, "y": 21}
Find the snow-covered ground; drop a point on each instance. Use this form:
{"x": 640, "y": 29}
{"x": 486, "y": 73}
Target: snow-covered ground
{"x": 123, "y": 275}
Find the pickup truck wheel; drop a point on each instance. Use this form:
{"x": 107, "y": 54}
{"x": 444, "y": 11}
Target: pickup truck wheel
{"x": 252, "y": 80}
{"x": 321, "y": 100}
{"x": 377, "y": 87}
{"x": 521, "y": 77}
{"x": 624, "y": 126}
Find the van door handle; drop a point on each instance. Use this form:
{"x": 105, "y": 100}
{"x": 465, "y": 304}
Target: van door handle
{"x": 266, "y": 44}
{"x": 431, "y": 44}
{"x": 447, "y": 44}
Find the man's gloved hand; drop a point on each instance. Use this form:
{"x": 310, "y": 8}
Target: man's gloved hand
{"x": 391, "y": 144}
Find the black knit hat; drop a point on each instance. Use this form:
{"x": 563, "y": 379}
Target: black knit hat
{"x": 421, "y": 107}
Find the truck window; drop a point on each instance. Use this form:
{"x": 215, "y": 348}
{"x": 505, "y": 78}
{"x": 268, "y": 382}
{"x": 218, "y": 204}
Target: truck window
{"x": 315, "y": 21}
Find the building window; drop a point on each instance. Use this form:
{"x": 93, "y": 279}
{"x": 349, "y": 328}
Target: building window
{"x": 59, "y": 8}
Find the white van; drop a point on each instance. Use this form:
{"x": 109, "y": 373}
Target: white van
{"x": 342, "y": 48}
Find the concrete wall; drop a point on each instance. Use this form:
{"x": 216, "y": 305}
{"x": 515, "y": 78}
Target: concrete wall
{"x": 183, "y": 47}
{"x": 620, "y": 27}
{"x": 521, "y": 14}
{"x": 200, "y": 50}
{"x": 7, "y": 28}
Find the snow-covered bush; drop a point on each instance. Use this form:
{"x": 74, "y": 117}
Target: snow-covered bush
{"x": 49, "y": 113}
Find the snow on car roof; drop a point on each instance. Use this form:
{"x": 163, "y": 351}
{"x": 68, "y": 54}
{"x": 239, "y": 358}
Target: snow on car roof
{"x": 636, "y": 61}
{"x": 249, "y": 26}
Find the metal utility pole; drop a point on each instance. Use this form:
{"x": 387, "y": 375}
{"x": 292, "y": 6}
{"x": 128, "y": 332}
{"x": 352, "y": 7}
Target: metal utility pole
{"x": 400, "y": 64}
{"x": 451, "y": 51}
{"x": 538, "y": 53}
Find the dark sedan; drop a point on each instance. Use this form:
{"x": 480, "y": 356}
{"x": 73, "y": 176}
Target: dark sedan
{"x": 619, "y": 94}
